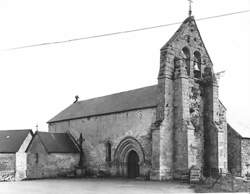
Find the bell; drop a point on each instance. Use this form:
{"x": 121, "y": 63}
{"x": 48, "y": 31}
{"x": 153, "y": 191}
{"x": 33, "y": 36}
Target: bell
{"x": 196, "y": 67}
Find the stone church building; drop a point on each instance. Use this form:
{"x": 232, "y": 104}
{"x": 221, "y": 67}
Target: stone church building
{"x": 159, "y": 131}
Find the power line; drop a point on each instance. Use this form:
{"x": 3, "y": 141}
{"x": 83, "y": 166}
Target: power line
{"x": 121, "y": 32}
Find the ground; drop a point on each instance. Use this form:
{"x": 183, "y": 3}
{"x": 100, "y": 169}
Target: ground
{"x": 92, "y": 186}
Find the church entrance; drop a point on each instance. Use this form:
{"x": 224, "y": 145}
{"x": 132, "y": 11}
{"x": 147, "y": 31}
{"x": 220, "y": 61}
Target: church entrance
{"x": 132, "y": 164}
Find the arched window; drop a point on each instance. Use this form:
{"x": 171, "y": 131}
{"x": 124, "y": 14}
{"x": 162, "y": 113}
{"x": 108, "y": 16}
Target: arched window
{"x": 186, "y": 53}
{"x": 108, "y": 151}
{"x": 197, "y": 64}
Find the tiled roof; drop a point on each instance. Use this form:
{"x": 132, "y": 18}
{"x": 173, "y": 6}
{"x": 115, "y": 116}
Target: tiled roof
{"x": 134, "y": 99}
{"x": 57, "y": 142}
{"x": 11, "y": 140}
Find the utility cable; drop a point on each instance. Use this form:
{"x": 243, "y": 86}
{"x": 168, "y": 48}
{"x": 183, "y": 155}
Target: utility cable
{"x": 121, "y": 32}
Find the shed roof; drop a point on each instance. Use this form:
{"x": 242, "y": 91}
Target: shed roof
{"x": 57, "y": 142}
{"x": 12, "y": 140}
{"x": 130, "y": 100}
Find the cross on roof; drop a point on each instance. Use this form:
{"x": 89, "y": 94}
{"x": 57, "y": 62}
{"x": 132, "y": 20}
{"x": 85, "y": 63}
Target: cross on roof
{"x": 190, "y": 7}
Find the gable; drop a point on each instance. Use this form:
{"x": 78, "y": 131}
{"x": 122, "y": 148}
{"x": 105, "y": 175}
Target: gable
{"x": 188, "y": 35}
{"x": 53, "y": 143}
{"x": 26, "y": 143}
{"x": 36, "y": 146}
{"x": 12, "y": 140}
{"x": 124, "y": 101}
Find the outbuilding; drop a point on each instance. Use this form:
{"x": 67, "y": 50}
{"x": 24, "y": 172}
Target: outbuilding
{"x": 52, "y": 155}
{"x": 12, "y": 144}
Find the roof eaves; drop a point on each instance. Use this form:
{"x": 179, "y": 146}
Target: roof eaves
{"x": 94, "y": 115}
{"x": 248, "y": 138}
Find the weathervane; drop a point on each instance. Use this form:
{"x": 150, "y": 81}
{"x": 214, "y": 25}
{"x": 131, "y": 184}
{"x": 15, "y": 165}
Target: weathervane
{"x": 190, "y": 8}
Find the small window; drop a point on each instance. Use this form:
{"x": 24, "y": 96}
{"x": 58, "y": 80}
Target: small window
{"x": 108, "y": 151}
{"x": 186, "y": 52}
{"x": 37, "y": 157}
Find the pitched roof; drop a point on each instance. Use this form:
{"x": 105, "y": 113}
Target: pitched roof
{"x": 57, "y": 142}
{"x": 134, "y": 99}
{"x": 11, "y": 140}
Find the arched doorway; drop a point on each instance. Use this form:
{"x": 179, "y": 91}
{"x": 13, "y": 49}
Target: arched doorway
{"x": 129, "y": 157}
{"x": 132, "y": 164}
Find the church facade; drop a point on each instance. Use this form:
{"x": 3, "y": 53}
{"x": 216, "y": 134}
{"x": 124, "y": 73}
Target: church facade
{"x": 161, "y": 131}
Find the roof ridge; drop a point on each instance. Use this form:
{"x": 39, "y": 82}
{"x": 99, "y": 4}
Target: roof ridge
{"x": 16, "y": 130}
{"x": 47, "y": 132}
{"x": 116, "y": 93}
{"x": 139, "y": 98}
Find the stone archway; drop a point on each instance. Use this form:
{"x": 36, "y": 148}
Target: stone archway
{"x": 129, "y": 156}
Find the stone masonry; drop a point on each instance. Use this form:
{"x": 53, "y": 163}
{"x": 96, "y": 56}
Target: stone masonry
{"x": 189, "y": 108}
{"x": 245, "y": 157}
{"x": 113, "y": 128}
{"x": 182, "y": 126}
{"x": 234, "y": 151}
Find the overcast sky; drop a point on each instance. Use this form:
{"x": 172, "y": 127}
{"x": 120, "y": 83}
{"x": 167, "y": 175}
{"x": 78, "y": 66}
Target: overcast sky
{"x": 39, "y": 82}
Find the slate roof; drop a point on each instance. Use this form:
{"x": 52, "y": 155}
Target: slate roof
{"x": 130, "y": 100}
{"x": 229, "y": 127}
{"x": 57, "y": 142}
{"x": 11, "y": 140}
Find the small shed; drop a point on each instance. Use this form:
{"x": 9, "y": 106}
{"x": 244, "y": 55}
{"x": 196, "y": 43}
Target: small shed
{"x": 12, "y": 143}
{"x": 52, "y": 155}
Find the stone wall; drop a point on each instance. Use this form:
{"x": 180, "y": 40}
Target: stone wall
{"x": 7, "y": 167}
{"x": 196, "y": 136}
{"x": 199, "y": 119}
{"x": 112, "y": 128}
{"x": 234, "y": 151}
{"x": 42, "y": 165}
{"x": 184, "y": 61}
{"x": 21, "y": 166}
{"x": 245, "y": 156}
{"x": 222, "y": 139}
{"x": 215, "y": 136}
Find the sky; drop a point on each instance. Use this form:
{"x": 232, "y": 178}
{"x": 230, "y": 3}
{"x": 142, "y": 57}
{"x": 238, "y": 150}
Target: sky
{"x": 37, "y": 83}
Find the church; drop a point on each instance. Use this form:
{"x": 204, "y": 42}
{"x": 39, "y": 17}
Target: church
{"x": 160, "y": 131}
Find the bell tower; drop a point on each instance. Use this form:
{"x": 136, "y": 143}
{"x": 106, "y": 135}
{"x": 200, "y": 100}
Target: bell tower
{"x": 188, "y": 130}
